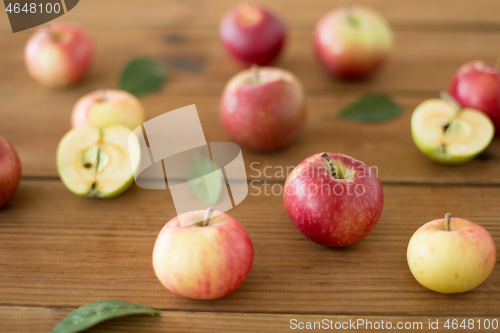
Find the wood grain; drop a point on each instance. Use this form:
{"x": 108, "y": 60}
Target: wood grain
{"x": 297, "y": 14}
{"x": 44, "y": 319}
{"x": 62, "y": 250}
{"x": 387, "y": 145}
{"x": 422, "y": 62}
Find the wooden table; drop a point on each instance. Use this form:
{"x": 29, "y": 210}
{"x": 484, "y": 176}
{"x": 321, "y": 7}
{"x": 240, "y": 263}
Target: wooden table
{"x": 59, "y": 251}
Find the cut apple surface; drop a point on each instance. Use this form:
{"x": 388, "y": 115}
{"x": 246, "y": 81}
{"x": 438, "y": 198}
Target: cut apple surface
{"x": 449, "y": 134}
{"x": 95, "y": 162}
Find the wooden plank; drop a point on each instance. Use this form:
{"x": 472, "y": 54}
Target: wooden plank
{"x": 60, "y": 250}
{"x": 297, "y": 14}
{"x": 387, "y": 145}
{"x": 13, "y": 319}
{"x": 422, "y": 62}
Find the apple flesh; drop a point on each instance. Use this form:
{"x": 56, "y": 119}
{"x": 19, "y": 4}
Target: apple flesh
{"x": 451, "y": 259}
{"x": 448, "y": 134}
{"x": 263, "y": 109}
{"x": 352, "y": 43}
{"x": 477, "y": 85}
{"x": 203, "y": 261}
{"x": 96, "y": 162}
{"x": 252, "y": 34}
{"x": 10, "y": 171}
{"x": 334, "y": 209}
{"x": 108, "y": 107}
{"x": 59, "y": 54}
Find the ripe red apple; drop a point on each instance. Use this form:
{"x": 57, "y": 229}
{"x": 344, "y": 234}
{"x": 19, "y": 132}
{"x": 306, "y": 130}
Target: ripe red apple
{"x": 333, "y": 199}
{"x": 59, "y": 54}
{"x": 107, "y": 107}
{"x": 252, "y": 34}
{"x": 353, "y": 42}
{"x": 203, "y": 260}
{"x": 10, "y": 171}
{"x": 476, "y": 85}
{"x": 263, "y": 109}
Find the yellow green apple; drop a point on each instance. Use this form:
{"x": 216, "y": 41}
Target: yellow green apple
{"x": 451, "y": 255}
{"x": 96, "y": 162}
{"x": 449, "y": 134}
{"x": 107, "y": 107}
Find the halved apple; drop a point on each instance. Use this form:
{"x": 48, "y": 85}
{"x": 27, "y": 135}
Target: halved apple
{"x": 95, "y": 162}
{"x": 449, "y": 134}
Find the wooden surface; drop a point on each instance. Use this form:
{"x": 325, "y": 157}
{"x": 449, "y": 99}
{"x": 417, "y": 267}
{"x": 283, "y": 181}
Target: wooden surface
{"x": 59, "y": 251}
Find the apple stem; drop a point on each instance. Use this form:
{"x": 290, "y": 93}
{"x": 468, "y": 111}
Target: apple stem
{"x": 255, "y": 70}
{"x": 330, "y": 165}
{"x": 447, "y": 97}
{"x": 346, "y": 7}
{"x": 447, "y": 222}
{"x": 208, "y": 215}
{"x": 103, "y": 94}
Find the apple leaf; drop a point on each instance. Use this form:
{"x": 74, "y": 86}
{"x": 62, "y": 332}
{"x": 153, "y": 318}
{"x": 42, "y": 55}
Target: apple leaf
{"x": 92, "y": 314}
{"x": 371, "y": 108}
{"x": 143, "y": 75}
{"x": 205, "y": 179}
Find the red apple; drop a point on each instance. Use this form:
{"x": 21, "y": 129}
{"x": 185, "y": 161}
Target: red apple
{"x": 352, "y": 43}
{"x": 10, "y": 171}
{"x": 107, "y": 107}
{"x": 333, "y": 199}
{"x": 252, "y": 34}
{"x": 59, "y": 54}
{"x": 204, "y": 260}
{"x": 263, "y": 109}
{"x": 476, "y": 85}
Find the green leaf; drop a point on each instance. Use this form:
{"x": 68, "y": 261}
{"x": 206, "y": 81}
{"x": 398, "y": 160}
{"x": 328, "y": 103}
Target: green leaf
{"x": 143, "y": 75}
{"x": 91, "y": 314}
{"x": 370, "y": 108}
{"x": 204, "y": 181}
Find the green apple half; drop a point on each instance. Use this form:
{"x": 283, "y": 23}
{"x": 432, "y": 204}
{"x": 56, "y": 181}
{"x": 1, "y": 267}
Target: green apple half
{"x": 449, "y": 134}
{"x": 95, "y": 162}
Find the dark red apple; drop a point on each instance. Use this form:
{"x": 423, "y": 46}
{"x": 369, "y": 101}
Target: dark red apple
{"x": 476, "y": 85}
{"x": 252, "y": 34}
{"x": 333, "y": 199}
{"x": 263, "y": 109}
{"x": 10, "y": 171}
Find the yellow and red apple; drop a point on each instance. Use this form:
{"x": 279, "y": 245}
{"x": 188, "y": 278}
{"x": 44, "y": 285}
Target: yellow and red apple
{"x": 203, "y": 260}
{"x": 59, "y": 54}
{"x": 352, "y": 43}
{"x": 107, "y": 107}
{"x": 451, "y": 255}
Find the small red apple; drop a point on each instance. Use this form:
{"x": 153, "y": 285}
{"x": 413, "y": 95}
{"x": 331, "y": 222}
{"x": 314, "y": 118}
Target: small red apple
{"x": 333, "y": 199}
{"x": 10, "y": 171}
{"x": 476, "y": 85}
{"x": 59, "y": 54}
{"x": 263, "y": 109}
{"x": 252, "y": 34}
{"x": 352, "y": 43}
{"x": 203, "y": 260}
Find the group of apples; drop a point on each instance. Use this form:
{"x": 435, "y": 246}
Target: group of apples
{"x": 333, "y": 199}
{"x": 460, "y": 125}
